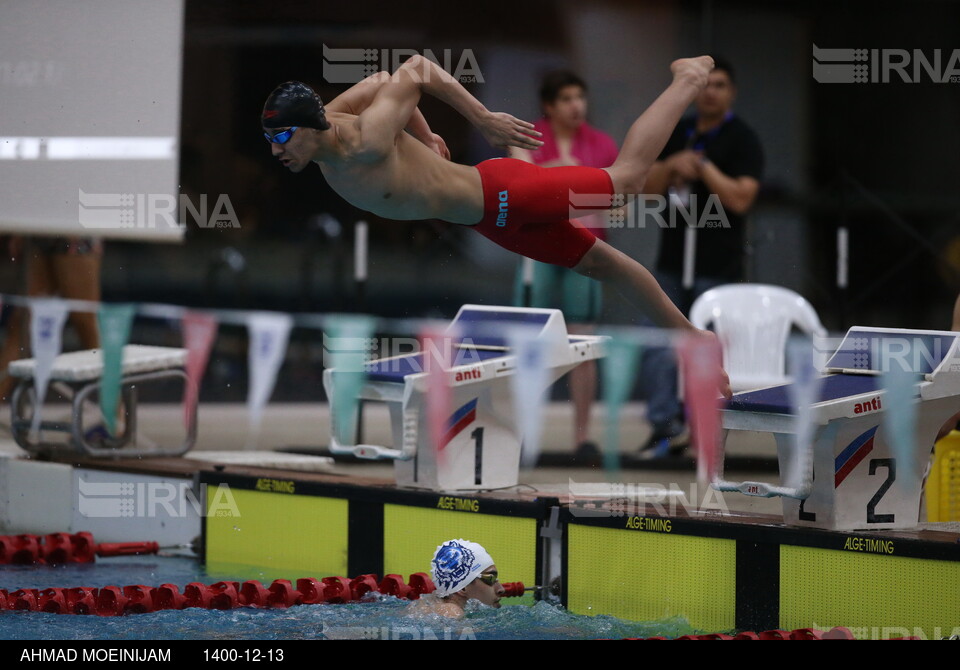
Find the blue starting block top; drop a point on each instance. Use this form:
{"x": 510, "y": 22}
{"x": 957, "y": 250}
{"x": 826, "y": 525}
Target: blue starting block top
{"x": 875, "y": 350}
{"x": 395, "y": 369}
{"x": 474, "y": 326}
{"x": 487, "y": 317}
{"x": 776, "y": 399}
{"x": 479, "y": 339}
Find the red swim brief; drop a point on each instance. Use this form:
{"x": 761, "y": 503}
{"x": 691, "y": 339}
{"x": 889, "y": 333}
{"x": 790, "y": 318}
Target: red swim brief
{"x": 526, "y": 208}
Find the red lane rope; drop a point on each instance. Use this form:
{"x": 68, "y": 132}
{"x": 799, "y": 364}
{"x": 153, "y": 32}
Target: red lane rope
{"x": 138, "y": 598}
{"x": 60, "y": 548}
{"x": 836, "y": 633}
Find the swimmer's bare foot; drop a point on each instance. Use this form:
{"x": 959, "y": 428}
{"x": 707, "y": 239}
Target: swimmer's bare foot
{"x": 692, "y": 70}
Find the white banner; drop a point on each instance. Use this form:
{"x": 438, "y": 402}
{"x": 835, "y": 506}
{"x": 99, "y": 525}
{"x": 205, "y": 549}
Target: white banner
{"x": 804, "y": 392}
{"x": 900, "y": 417}
{"x": 46, "y": 335}
{"x": 529, "y": 384}
{"x": 269, "y": 332}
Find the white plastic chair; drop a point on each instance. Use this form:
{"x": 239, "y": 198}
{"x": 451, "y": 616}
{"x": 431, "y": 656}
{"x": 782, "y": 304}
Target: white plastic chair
{"x": 753, "y": 322}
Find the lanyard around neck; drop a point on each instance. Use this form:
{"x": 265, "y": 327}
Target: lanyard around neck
{"x": 698, "y": 141}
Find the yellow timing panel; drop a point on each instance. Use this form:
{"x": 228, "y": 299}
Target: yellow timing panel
{"x": 651, "y": 574}
{"x": 869, "y": 591}
{"x": 412, "y": 534}
{"x": 280, "y": 534}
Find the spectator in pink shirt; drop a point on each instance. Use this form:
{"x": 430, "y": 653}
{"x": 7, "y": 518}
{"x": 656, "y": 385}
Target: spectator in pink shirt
{"x": 569, "y": 140}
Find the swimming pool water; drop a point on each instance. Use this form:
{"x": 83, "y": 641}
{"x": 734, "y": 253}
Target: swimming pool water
{"x": 382, "y": 617}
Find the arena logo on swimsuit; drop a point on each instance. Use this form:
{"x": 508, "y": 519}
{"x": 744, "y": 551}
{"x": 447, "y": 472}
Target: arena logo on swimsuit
{"x": 502, "y": 215}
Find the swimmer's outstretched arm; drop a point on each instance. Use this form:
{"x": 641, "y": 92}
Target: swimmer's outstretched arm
{"x": 394, "y": 102}
{"x": 499, "y": 128}
{"x": 359, "y": 96}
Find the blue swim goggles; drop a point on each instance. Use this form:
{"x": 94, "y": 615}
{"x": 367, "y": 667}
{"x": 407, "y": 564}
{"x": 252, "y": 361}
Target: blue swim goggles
{"x": 282, "y": 137}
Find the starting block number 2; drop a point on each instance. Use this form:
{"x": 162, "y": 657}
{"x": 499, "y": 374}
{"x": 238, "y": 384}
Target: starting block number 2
{"x": 872, "y": 517}
{"x": 891, "y": 465}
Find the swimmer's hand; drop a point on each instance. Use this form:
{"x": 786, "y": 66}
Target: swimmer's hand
{"x": 723, "y": 385}
{"x": 438, "y": 146}
{"x": 503, "y": 130}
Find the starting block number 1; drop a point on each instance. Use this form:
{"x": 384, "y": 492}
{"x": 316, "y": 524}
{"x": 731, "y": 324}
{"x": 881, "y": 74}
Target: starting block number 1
{"x": 477, "y": 436}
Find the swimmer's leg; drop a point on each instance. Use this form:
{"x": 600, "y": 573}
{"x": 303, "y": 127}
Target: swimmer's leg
{"x": 583, "y": 390}
{"x": 634, "y": 282}
{"x": 649, "y": 133}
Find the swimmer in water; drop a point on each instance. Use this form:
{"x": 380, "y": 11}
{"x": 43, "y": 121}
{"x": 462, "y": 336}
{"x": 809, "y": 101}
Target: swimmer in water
{"x": 461, "y": 571}
{"x": 359, "y": 142}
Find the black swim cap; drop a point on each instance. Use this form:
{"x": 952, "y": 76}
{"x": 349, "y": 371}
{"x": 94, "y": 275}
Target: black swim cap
{"x": 294, "y": 104}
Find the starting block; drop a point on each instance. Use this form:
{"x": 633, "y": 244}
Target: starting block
{"x": 482, "y": 446}
{"x": 855, "y": 482}
{"x": 81, "y": 372}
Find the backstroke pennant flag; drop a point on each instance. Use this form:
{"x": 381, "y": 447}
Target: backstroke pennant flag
{"x": 347, "y": 343}
{"x": 436, "y": 345}
{"x": 269, "y": 332}
{"x": 804, "y": 393}
{"x": 700, "y": 362}
{"x": 199, "y": 331}
{"x": 529, "y": 384}
{"x": 619, "y": 374}
{"x": 46, "y": 332}
{"x": 115, "y": 322}
{"x": 900, "y": 417}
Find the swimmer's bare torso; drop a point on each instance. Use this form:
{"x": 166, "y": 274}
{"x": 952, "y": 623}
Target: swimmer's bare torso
{"x": 380, "y": 155}
{"x": 408, "y": 182}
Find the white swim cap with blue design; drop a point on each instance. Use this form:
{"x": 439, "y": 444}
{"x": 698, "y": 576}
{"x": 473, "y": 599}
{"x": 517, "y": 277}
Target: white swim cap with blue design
{"x": 457, "y": 563}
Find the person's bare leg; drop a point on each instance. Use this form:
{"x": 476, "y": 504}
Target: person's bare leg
{"x": 650, "y": 132}
{"x": 634, "y": 282}
{"x": 78, "y": 278}
{"x": 40, "y": 282}
{"x": 13, "y": 349}
{"x": 583, "y": 391}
